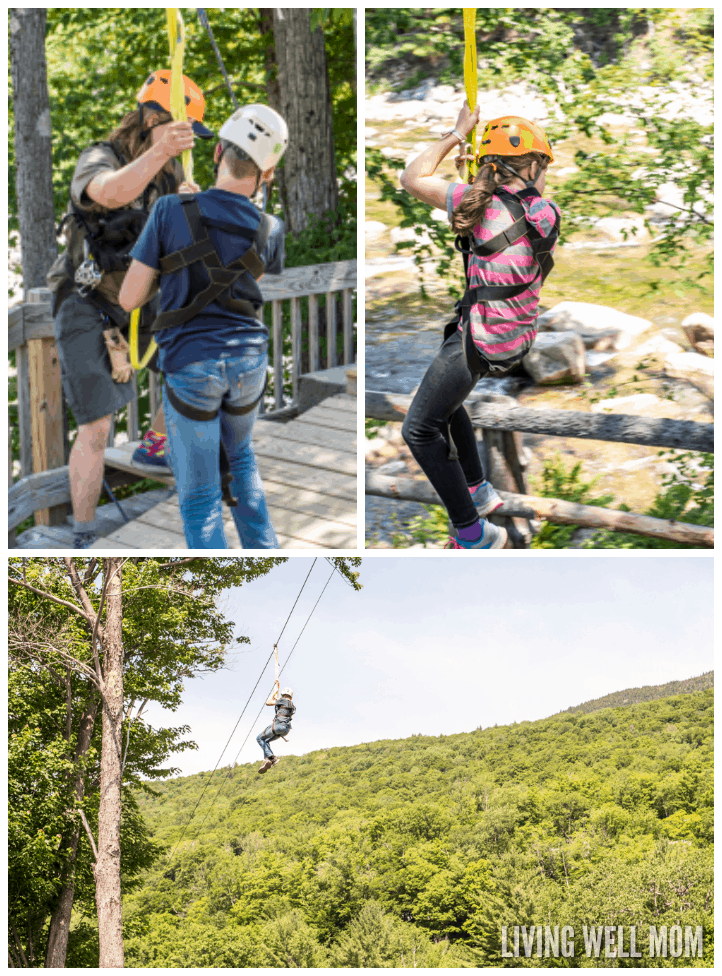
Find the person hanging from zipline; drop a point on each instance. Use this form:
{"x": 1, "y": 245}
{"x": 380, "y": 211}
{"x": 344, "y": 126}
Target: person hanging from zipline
{"x": 279, "y": 727}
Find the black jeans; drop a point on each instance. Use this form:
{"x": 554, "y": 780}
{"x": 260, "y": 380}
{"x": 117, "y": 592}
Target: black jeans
{"x": 437, "y": 410}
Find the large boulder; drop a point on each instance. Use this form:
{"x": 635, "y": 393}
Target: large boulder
{"x": 556, "y": 357}
{"x": 699, "y": 329}
{"x": 693, "y": 367}
{"x": 598, "y": 326}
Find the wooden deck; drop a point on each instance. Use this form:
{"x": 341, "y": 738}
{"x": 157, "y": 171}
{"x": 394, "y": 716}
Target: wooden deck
{"x": 308, "y": 466}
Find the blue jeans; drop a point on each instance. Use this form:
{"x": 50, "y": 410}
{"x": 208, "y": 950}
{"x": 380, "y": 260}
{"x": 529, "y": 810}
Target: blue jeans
{"x": 436, "y": 411}
{"x": 195, "y": 447}
{"x": 268, "y": 736}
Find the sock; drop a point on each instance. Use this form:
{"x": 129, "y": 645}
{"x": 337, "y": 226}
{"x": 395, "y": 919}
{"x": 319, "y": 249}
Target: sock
{"x": 91, "y": 526}
{"x": 471, "y": 533}
{"x": 472, "y": 488}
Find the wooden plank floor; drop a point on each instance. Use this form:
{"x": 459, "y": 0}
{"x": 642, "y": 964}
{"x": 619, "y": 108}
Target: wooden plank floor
{"x": 308, "y": 467}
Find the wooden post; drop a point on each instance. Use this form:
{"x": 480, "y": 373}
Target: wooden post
{"x": 25, "y": 423}
{"x": 277, "y": 354}
{"x": 313, "y": 350}
{"x": 330, "y": 329}
{"x": 46, "y": 410}
{"x": 347, "y": 325}
{"x": 295, "y": 346}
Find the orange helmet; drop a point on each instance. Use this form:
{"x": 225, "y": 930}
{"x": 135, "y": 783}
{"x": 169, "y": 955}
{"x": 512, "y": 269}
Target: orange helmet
{"x": 155, "y": 93}
{"x": 514, "y": 136}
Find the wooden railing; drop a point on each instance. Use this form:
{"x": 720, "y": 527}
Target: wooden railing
{"x": 501, "y": 419}
{"x": 42, "y": 413}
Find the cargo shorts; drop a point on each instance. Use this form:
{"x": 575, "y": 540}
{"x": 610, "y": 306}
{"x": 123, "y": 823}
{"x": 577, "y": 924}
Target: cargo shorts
{"x": 88, "y": 386}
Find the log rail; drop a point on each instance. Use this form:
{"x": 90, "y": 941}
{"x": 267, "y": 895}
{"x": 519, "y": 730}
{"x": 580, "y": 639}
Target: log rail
{"x": 501, "y": 420}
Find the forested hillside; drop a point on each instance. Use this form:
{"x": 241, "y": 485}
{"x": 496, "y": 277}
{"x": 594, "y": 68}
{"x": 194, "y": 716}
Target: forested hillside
{"x": 632, "y": 696}
{"x": 415, "y": 852}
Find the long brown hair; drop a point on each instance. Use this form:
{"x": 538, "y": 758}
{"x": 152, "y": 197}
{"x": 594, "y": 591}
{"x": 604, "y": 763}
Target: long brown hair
{"x": 127, "y": 135}
{"x": 472, "y": 208}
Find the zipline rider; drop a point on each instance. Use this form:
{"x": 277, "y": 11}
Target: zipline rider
{"x": 279, "y": 728}
{"x": 114, "y": 186}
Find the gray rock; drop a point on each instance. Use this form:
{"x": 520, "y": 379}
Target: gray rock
{"x": 392, "y": 467}
{"x": 599, "y": 326}
{"x": 556, "y": 357}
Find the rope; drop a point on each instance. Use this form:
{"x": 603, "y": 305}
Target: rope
{"x": 176, "y": 45}
{"x": 202, "y": 16}
{"x": 470, "y": 73}
{"x": 208, "y": 782}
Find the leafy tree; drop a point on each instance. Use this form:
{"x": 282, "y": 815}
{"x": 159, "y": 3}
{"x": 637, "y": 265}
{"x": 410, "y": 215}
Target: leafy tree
{"x": 137, "y": 628}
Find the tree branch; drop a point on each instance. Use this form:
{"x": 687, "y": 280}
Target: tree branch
{"x": 92, "y": 617}
{"x": 49, "y": 596}
{"x": 89, "y": 833}
{"x": 19, "y": 947}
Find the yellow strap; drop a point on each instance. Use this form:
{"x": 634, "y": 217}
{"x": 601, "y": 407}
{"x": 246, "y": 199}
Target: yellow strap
{"x": 274, "y": 694}
{"x": 176, "y": 46}
{"x": 470, "y": 72}
{"x": 134, "y": 361}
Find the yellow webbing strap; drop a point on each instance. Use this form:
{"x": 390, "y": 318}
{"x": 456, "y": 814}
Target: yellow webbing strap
{"x": 470, "y": 71}
{"x": 134, "y": 361}
{"x": 176, "y": 45}
{"x": 276, "y": 684}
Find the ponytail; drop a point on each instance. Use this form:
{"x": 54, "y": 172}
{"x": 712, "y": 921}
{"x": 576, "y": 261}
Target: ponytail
{"x": 492, "y": 174}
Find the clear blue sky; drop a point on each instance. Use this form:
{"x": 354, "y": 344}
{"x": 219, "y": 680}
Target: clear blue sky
{"x": 438, "y": 645}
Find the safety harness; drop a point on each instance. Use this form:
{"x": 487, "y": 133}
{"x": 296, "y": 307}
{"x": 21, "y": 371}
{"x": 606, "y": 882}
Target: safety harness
{"x": 284, "y": 713}
{"x": 202, "y": 254}
{"x": 108, "y": 238}
{"x": 541, "y": 247}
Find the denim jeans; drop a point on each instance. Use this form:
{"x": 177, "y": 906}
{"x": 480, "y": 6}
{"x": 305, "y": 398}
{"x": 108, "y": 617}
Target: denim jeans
{"x": 437, "y": 410}
{"x": 195, "y": 447}
{"x": 268, "y": 736}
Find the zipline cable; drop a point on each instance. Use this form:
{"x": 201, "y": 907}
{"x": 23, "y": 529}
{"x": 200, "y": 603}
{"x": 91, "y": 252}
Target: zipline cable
{"x": 208, "y": 782}
{"x": 203, "y": 17}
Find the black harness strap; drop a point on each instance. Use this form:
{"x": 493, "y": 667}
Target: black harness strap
{"x": 222, "y": 278}
{"x": 194, "y": 413}
{"x": 541, "y": 247}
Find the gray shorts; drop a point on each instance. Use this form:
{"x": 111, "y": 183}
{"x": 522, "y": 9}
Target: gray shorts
{"x": 87, "y": 382}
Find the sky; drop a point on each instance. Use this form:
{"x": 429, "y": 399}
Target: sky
{"x": 436, "y": 646}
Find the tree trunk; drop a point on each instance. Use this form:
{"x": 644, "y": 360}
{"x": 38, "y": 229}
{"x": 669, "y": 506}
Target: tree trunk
{"x": 265, "y": 29}
{"x": 107, "y": 866}
{"x": 60, "y": 923}
{"x": 33, "y": 145}
{"x": 310, "y": 185}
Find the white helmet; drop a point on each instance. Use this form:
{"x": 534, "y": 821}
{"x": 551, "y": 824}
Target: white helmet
{"x": 288, "y": 692}
{"x": 260, "y": 132}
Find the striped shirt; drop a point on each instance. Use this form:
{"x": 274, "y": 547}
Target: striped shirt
{"x": 504, "y": 331}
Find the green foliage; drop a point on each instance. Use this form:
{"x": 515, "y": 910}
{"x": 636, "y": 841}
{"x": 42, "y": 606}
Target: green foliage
{"x": 672, "y": 504}
{"x": 414, "y": 852}
{"x": 172, "y": 631}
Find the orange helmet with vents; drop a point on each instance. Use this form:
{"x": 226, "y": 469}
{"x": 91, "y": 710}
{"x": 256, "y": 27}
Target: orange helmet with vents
{"x": 155, "y": 93}
{"x": 514, "y": 136}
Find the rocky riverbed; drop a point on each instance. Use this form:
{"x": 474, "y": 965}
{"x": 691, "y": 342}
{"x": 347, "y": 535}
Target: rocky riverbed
{"x": 648, "y": 366}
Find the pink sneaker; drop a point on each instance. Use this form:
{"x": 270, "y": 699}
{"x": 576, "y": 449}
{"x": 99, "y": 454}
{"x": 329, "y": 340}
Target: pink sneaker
{"x": 153, "y": 449}
{"x": 486, "y": 499}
